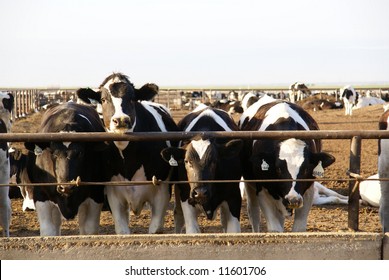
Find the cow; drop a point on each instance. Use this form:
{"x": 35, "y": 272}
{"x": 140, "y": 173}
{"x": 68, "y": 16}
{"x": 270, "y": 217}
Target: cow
{"x": 64, "y": 162}
{"x": 277, "y": 159}
{"x": 323, "y": 195}
{"x": 20, "y": 166}
{"x": 298, "y": 91}
{"x": 350, "y": 99}
{"x": 370, "y": 191}
{"x": 205, "y": 159}
{"x": 6, "y": 107}
{"x": 383, "y": 172}
{"x": 125, "y": 110}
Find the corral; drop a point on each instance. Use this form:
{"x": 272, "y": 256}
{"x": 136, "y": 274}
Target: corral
{"x": 327, "y": 225}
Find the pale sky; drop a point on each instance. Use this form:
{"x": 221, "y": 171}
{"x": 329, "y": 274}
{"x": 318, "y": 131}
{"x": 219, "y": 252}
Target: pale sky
{"x": 74, "y": 43}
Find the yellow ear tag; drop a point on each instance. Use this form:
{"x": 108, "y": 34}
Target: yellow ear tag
{"x": 264, "y": 166}
{"x": 318, "y": 171}
{"x": 172, "y": 161}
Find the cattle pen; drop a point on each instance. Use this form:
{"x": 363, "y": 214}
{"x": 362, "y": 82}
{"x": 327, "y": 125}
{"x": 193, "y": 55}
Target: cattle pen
{"x": 377, "y": 242}
{"x": 310, "y": 245}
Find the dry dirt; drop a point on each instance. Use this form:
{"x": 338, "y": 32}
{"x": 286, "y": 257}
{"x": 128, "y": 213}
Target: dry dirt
{"x": 330, "y": 218}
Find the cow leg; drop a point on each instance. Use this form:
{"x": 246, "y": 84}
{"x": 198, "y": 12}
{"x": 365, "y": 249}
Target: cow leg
{"x": 179, "y": 221}
{"x": 5, "y": 210}
{"x": 120, "y": 212}
{"x": 89, "y": 216}
{"x": 301, "y": 215}
{"x": 49, "y": 218}
{"x": 253, "y": 206}
{"x": 271, "y": 211}
{"x": 190, "y": 216}
{"x": 158, "y": 209}
{"x": 230, "y": 223}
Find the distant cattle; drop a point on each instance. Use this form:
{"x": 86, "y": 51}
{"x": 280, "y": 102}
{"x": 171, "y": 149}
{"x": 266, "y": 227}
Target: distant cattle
{"x": 350, "y": 99}
{"x": 298, "y": 91}
{"x": 127, "y": 109}
{"x": 365, "y": 101}
{"x": 6, "y": 107}
{"x": 320, "y": 104}
{"x": 205, "y": 159}
{"x": 383, "y": 172}
{"x": 290, "y": 159}
{"x": 64, "y": 162}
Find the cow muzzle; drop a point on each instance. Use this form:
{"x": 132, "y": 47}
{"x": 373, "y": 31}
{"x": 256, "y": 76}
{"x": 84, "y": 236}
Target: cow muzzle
{"x": 293, "y": 201}
{"x": 64, "y": 190}
{"x": 199, "y": 195}
{"x": 122, "y": 123}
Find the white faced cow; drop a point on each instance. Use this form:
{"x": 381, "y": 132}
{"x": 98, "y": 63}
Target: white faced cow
{"x": 63, "y": 162}
{"x": 126, "y": 109}
{"x": 350, "y": 99}
{"x": 281, "y": 159}
{"x": 6, "y": 106}
{"x": 202, "y": 159}
{"x": 383, "y": 172}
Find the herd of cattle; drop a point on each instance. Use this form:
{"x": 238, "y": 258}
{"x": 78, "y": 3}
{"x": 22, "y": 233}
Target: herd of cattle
{"x": 199, "y": 163}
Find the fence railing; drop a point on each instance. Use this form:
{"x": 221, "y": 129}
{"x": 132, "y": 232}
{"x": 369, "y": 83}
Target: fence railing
{"x": 355, "y": 137}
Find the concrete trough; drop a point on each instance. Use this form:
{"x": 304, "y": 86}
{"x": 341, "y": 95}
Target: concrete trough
{"x": 265, "y": 246}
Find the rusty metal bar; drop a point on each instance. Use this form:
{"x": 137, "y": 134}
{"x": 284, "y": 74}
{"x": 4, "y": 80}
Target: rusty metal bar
{"x": 355, "y": 167}
{"x": 163, "y": 136}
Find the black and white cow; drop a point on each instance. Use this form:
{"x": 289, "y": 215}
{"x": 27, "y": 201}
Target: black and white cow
{"x": 350, "y": 99}
{"x": 63, "y": 162}
{"x": 298, "y": 91}
{"x": 6, "y": 107}
{"x": 205, "y": 159}
{"x": 20, "y": 166}
{"x": 281, "y": 159}
{"x": 383, "y": 172}
{"x": 126, "y": 109}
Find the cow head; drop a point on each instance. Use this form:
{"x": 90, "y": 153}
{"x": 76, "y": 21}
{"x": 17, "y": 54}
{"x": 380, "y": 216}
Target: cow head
{"x": 289, "y": 159}
{"x": 63, "y": 161}
{"x": 118, "y": 96}
{"x": 6, "y": 107}
{"x": 200, "y": 159}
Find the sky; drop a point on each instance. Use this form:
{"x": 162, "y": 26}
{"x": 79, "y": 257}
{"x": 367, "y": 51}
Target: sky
{"x": 75, "y": 43}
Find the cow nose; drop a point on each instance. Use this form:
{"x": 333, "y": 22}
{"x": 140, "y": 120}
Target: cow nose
{"x": 64, "y": 190}
{"x": 294, "y": 201}
{"x": 122, "y": 122}
{"x": 200, "y": 192}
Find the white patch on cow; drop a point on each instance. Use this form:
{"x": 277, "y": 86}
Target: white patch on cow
{"x": 49, "y": 217}
{"x": 112, "y": 81}
{"x": 190, "y": 217}
{"x": 67, "y": 144}
{"x": 89, "y": 216}
{"x": 28, "y": 202}
{"x": 149, "y": 106}
{"x": 281, "y": 110}
{"x": 200, "y": 146}
{"x": 212, "y": 114}
{"x": 292, "y": 151}
{"x": 253, "y": 109}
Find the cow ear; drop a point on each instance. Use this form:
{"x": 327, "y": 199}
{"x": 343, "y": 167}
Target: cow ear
{"x": 173, "y": 155}
{"x": 88, "y": 94}
{"x": 325, "y": 159}
{"x": 147, "y": 92}
{"x": 35, "y": 147}
{"x": 231, "y": 148}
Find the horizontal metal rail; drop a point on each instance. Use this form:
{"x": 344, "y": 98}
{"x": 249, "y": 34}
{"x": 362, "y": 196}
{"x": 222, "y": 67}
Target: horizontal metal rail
{"x": 164, "y": 136}
{"x": 155, "y": 181}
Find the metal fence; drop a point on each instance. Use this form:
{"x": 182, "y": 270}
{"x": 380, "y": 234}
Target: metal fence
{"x": 355, "y": 137}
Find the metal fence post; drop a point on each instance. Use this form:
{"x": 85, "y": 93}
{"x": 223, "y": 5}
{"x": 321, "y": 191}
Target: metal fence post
{"x": 355, "y": 167}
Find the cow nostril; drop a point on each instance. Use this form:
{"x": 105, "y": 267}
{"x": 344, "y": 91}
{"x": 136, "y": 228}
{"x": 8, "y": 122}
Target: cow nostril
{"x": 116, "y": 122}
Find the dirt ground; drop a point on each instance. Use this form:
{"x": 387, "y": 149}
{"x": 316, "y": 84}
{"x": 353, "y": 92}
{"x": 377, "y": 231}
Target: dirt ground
{"x": 329, "y": 218}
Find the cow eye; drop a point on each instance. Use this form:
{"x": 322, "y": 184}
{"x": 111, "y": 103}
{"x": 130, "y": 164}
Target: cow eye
{"x": 188, "y": 162}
